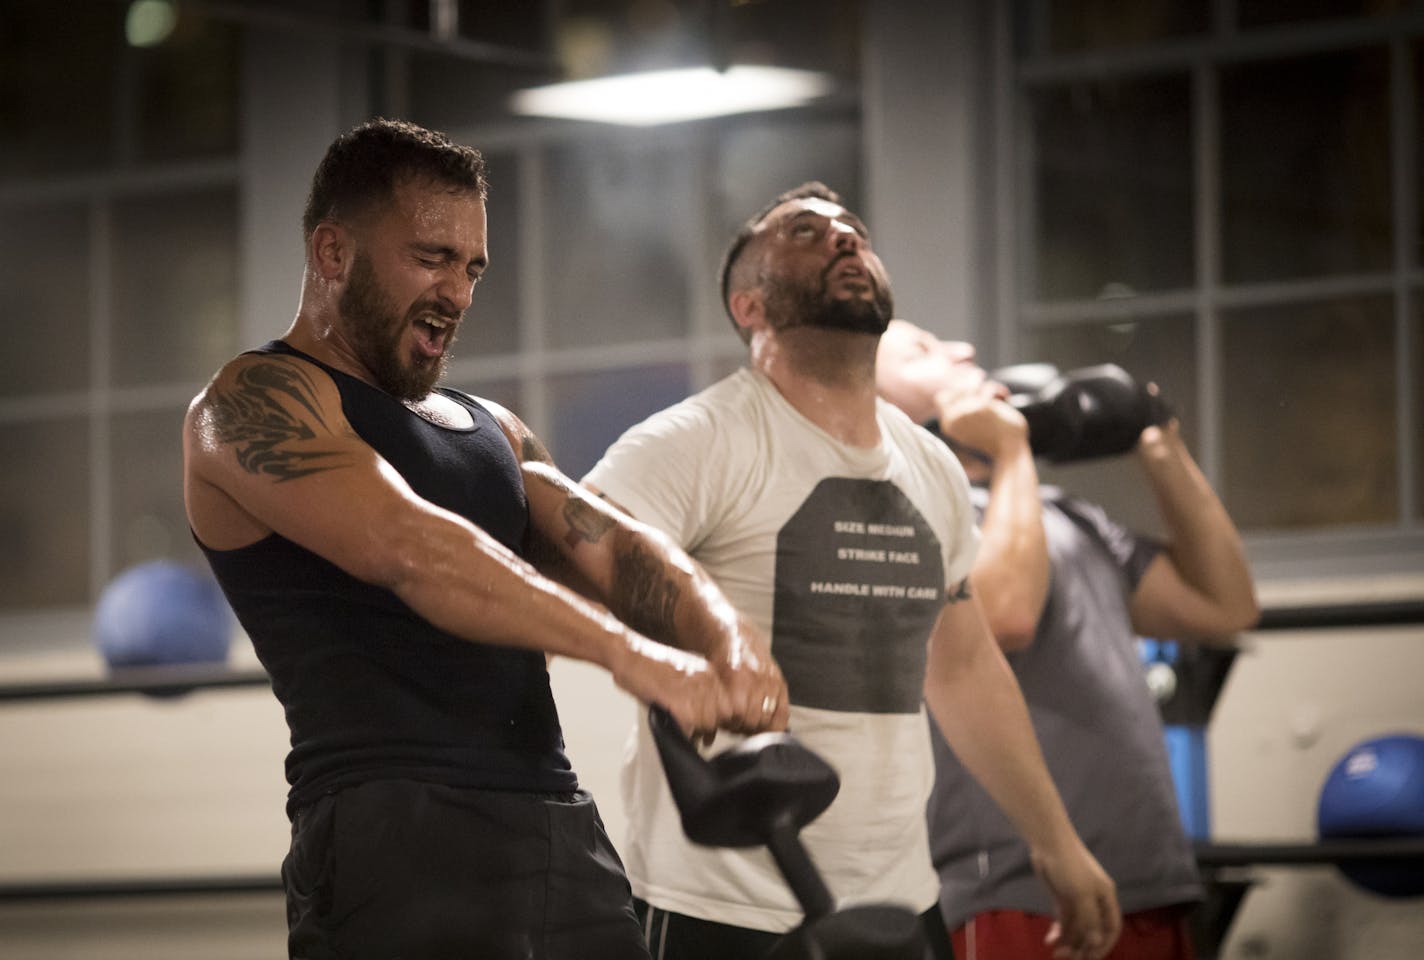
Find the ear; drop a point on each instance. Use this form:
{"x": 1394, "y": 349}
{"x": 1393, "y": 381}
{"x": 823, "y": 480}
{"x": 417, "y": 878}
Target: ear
{"x": 747, "y": 307}
{"x": 331, "y": 250}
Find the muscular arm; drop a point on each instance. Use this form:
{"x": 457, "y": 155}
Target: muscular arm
{"x": 267, "y": 448}
{"x": 976, "y": 701}
{"x": 1011, "y": 571}
{"x": 646, "y": 580}
{"x": 1201, "y": 588}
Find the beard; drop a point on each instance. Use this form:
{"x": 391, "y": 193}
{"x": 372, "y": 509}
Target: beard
{"x": 810, "y": 305}
{"x": 375, "y": 327}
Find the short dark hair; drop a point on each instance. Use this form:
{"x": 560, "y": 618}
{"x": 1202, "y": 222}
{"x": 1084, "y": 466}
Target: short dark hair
{"x": 810, "y": 189}
{"x": 362, "y": 167}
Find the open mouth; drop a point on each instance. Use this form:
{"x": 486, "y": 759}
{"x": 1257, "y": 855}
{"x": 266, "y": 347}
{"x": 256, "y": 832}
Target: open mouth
{"x": 433, "y": 333}
{"x": 851, "y": 276}
{"x": 847, "y": 268}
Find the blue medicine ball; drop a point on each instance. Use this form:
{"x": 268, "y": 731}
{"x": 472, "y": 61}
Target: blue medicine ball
{"x": 1377, "y": 790}
{"x": 162, "y": 613}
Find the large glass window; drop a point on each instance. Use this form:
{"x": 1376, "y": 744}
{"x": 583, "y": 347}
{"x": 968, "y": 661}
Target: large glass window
{"x": 1153, "y": 349}
{"x": 618, "y": 260}
{"x": 146, "y": 489}
{"x": 1305, "y": 166}
{"x": 174, "y": 286}
{"x": 1068, "y": 26}
{"x": 57, "y": 119}
{"x": 592, "y": 409}
{"x": 1259, "y": 13}
{"x": 757, "y": 159}
{"x": 1308, "y": 401}
{"x": 119, "y": 220}
{"x": 186, "y": 91}
{"x": 122, "y": 208}
{"x": 1112, "y": 185}
{"x": 44, "y": 513}
{"x": 45, "y": 287}
{"x": 1236, "y": 181}
{"x": 492, "y": 323}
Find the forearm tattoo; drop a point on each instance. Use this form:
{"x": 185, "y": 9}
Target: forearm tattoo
{"x": 643, "y": 596}
{"x": 587, "y": 523}
{"x": 957, "y": 593}
{"x": 533, "y": 449}
{"x": 271, "y": 405}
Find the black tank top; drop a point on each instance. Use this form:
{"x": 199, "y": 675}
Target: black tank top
{"x": 371, "y": 690}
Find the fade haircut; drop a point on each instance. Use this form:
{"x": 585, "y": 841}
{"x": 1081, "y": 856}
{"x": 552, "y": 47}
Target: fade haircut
{"x": 811, "y": 189}
{"x": 363, "y": 166}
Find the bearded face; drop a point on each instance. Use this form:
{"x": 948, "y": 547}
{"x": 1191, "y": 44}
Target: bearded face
{"x": 808, "y": 302}
{"x": 374, "y": 326}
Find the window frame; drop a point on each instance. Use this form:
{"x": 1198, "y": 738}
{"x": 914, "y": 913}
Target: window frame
{"x": 1311, "y": 554}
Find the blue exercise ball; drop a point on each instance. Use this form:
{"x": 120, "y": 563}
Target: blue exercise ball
{"x": 1377, "y": 790}
{"x": 162, "y": 613}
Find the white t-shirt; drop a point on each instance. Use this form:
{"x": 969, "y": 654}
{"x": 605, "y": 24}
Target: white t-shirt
{"x": 842, "y": 556}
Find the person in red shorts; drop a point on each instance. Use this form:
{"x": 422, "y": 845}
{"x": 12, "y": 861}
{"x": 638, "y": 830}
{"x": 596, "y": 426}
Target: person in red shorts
{"x": 1067, "y": 591}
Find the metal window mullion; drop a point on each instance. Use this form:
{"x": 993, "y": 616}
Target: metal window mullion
{"x": 1233, "y": 46}
{"x": 1223, "y": 19}
{"x": 1058, "y": 313}
{"x": 533, "y": 304}
{"x": 101, "y": 317}
{"x": 1206, "y": 141}
{"x": 1012, "y": 188}
{"x": 1307, "y": 290}
{"x": 1404, "y": 155}
{"x": 156, "y": 178}
{"x": 706, "y": 311}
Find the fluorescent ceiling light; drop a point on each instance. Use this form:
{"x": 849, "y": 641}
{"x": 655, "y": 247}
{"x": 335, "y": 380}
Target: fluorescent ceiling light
{"x": 670, "y": 96}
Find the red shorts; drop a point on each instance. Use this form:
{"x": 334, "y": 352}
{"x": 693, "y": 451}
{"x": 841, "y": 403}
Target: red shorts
{"x": 1158, "y": 934}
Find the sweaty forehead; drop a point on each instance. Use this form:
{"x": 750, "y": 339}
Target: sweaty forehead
{"x": 431, "y": 210}
{"x": 791, "y": 208}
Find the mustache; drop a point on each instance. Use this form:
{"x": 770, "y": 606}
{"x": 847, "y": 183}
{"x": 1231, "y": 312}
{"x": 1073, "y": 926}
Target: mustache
{"x": 836, "y": 262}
{"x": 440, "y": 310}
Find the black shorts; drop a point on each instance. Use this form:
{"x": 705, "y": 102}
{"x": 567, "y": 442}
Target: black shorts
{"x": 402, "y": 870}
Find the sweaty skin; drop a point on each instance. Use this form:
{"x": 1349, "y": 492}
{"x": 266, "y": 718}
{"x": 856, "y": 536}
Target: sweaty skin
{"x": 267, "y": 448}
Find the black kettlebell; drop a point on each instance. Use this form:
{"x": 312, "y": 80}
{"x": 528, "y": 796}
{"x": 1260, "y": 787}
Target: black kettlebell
{"x": 761, "y": 793}
{"x": 1097, "y": 411}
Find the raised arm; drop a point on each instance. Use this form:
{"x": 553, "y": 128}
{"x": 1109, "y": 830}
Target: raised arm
{"x": 267, "y": 448}
{"x": 975, "y": 699}
{"x": 1201, "y": 587}
{"x": 1011, "y": 569}
{"x": 647, "y": 581}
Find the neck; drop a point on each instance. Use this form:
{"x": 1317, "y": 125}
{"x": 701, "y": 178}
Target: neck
{"x": 827, "y": 375}
{"x": 317, "y": 331}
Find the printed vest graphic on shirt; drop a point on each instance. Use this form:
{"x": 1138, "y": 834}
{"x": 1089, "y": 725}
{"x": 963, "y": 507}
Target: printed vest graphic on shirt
{"x": 859, "y": 585}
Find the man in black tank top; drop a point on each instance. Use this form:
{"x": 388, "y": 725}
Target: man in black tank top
{"x": 404, "y": 557}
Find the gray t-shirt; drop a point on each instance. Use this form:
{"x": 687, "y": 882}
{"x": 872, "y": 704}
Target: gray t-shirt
{"x": 1100, "y": 731}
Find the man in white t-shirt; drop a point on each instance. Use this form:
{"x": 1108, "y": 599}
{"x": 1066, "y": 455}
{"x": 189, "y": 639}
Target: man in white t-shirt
{"x": 844, "y": 531}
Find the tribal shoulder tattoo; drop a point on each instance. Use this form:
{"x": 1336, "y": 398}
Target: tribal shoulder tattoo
{"x": 269, "y": 412}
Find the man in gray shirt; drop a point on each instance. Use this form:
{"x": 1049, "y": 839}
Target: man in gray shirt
{"x": 1067, "y": 592}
